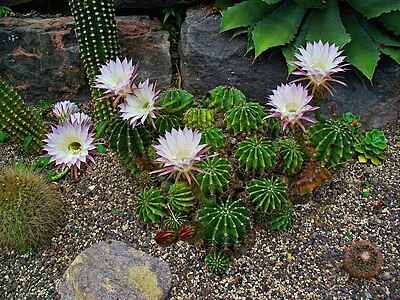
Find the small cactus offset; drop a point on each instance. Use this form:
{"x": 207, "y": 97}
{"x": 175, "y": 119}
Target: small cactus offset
{"x": 268, "y": 194}
{"x": 292, "y": 157}
{"x": 216, "y": 176}
{"x": 217, "y": 262}
{"x": 18, "y": 121}
{"x": 175, "y": 101}
{"x": 372, "y": 146}
{"x": 165, "y": 123}
{"x": 363, "y": 259}
{"x": 96, "y": 31}
{"x": 225, "y": 222}
{"x": 353, "y": 121}
{"x": 199, "y": 118}
{"x": 180, "y": 197}
{"x": 333, "y": 142}
{"x": 255, "y": 154}
{"x": 223, "y": 98}
{"x": 283, "y": 218}
{"x": 245, "y": 117}
{"x": 151, "y": 205}
{"x": 175, "y": 220}
{"x": 213, "y": 137}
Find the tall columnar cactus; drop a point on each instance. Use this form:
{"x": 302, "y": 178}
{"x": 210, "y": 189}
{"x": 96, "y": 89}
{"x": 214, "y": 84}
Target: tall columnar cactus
{"x": 245, "y": 117}
{"x": 96, "y": 31}
{"x": 18, "y": 121}
{"x": 223, "y": 98}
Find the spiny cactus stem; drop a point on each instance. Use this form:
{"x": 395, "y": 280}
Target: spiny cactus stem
{"x": 299, "y": 136}
{"x": 172, "y": 213}
{"x": 317, "y": 100}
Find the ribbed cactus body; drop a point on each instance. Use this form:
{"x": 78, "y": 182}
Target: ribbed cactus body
{"x": 96, "y": 31}
{"x": 245, "y": 117}
{"x": 283, "y": 218}
{"x": 217, "y": 262}
{"x": 165, "y": 123}
{"x": 213, "y": 137}
{"x": 223, "y": 98}
{"x": 151, "y": 205}
{"x": 174, "y": 101}
{"x": 291, "y": 155}
{"x": 18, "y": 121}
{"x": 226, "y": 222}
{"x": 216, "y": 176}
{"x": 180, "y": 197}
{"x": 199, "y": 118}
{"x": 268, "y": 193}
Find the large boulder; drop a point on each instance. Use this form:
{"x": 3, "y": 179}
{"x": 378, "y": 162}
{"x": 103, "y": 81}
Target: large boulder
{"x": 110, "y": 270}
{"x": 209, "y": 59}
{"x": 40, "y": 57}
{"x": 147, "y": 4}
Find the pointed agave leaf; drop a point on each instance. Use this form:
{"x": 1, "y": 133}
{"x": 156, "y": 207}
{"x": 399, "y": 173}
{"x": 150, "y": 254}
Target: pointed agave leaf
{"x": 327, "y": 26}
{"x": 361, "y": 52}
{"x": 311, "y": 3}
{"x": 379, "y": 35}
{"x": 393, "y": 52}
{"x": 271, "y": 1}
{"x": 278, "y": 28}
{"x": 245, "y": 14}
{"x": 374, "y": 8}
{"x": 391, "y": 21}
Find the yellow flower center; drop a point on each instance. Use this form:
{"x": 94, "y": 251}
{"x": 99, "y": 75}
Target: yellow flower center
{"x": 319, "y": 65}
{"x": 74, "y": 147}
{"x": 182, "y": 154}
{"x": 146, "y": 105}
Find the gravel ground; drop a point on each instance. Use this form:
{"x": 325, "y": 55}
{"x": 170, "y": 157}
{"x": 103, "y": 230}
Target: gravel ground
{"x": 304, "y": 262}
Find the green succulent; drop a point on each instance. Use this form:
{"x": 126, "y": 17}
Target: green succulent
{"x": 174, "y": 101}
{"x": 245, "y": 117}
{"x": 256, "y": 153}
{"x": 333, "y": 142}
{"x": 165, "y": 123}
{"x": 269, "y": 194}
{"x": 180, "y": 197}
{"x": 213, "y": 137}
{"x": 353, "y": 121}
{"x": 225, "y": 222}
{"x": 351, "y": 24}
{"x": 217, "y": 262}
{"x": 216, "y": 176}
{"x": 292, "y": 157}
{"x": 151, "y": 205}
{"x": 175, "y": 220}
{"x": 223, "y": 98}
{"x": 372, "y": 146}
{"x": 283, "y": 218}
{"x": 199, "y": 118}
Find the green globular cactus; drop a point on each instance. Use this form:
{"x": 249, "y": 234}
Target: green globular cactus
{"x": 30, "y": 209}
{"x": 256, "y": 153}
{"x": 180, "y": 198}
{"x": 175, "y": 220}
{"x": 283, "y": 218}
{"x": 96, "y": 31}
{"x": 199, "y": 118}
{"x": 372, "y": 146}
{"x": 333, "y": 142}
{"x": 225, "y": 223}
{"x": 216, "y": 176}
{"x": 223, "y": 98}
{"x": 151, "y": 205}
{"x": 268, "y": 194}
{"x": 272, "y": 128}
{"x": 217, "y": 262}
{"x": 292, "y": 157}
{"x": 128, "y": 142}
{"x": 18, "y": 121}
{"x": 174, "y": 101}
{"x": 213, "y": 137}
{"x": 245, "y": 117}
{"x": 165, "y": 123}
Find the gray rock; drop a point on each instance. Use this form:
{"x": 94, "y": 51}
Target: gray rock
{"x": 40, "y": 57}
{"x": 12, "y": 3}
{"x": 209, "y": 59}
{"x": 110, "y": 270}
{"x": 146, "y": 4}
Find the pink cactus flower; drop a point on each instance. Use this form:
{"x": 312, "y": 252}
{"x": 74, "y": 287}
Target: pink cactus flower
{"x": 63, "y": 110}
{"x": 80, "y": 118}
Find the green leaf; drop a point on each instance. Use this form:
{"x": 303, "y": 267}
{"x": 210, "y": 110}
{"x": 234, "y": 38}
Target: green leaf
{"x": 245, "y": 14}
{"x": 271, "y": 1}
{"x": 367, "y": 59}
{"x": 2, "y": 137}
{"x": 278, "y": 28}
{"x": 362, "y": 159}
{"x": 101, "y": 149}
{"x": 391, "y": 21}
{"x": 375, "y": 161}
{"x": 327, "y": 26}
{"x": 374, "y": 8}
{"x": 27, "y": 141}
{"x": 311, "y": 3}
{"x": 379, "y": 35}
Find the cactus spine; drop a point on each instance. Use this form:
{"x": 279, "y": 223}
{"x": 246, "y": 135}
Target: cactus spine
{"x": 18, "y": 121}
{"x": 96, "y": 31}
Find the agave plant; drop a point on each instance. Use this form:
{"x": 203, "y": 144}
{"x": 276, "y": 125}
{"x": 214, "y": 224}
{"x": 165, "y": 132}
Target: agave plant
{"x": 372, "y": 146}
{"x": 352, "y": 24}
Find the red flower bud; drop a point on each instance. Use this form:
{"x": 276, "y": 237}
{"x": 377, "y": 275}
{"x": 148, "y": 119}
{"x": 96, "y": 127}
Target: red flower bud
{"x": 164, "y": 237}
{"x": 185, "y": 233}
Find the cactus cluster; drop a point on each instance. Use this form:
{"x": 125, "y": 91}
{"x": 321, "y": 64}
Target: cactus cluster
{"x": 174, "y": 101}
{"x": 225, "y": 222}
{"x": 291, "y": 156}
{"x": 363, "y": 259}
{"x": 333, "y": 141}
{"x": 217, "y": 262}
{"x": 256, "y": 153}
{"x": 245, "y": 117}
{"x": 223, "y": 98}
{"x": 199, "y": 118}
{"x": 283, "y": 219}
{"x": 30, "y": 209}
{"x": 269, "y": 194}
{"x": 372, "y": 146}
{"x": 151, "y": 205}
{"x": 216, "y": 176}
{"x": 213, "y": 137}
{"x": 18, "y": 121}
